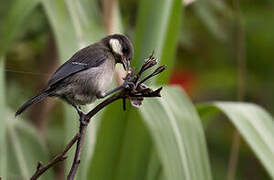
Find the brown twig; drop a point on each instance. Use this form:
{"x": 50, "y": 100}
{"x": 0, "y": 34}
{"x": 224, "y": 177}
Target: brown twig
{"x": 135, "y": 91}
{"x": 60, "y": 157}
{"x": 82, "y": 131}
{"x": 76, "y": 161}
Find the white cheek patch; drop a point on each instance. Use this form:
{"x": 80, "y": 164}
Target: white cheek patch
{"x": 116, "y": 46}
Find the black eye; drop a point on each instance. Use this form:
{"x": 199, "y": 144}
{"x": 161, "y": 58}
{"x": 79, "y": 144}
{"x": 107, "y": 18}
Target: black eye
{"x": 125, "y": 50}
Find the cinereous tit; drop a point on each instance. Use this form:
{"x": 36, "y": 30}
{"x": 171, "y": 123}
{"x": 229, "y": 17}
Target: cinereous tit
{"x": 86, "y": 76}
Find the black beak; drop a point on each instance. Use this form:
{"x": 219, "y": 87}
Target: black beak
{"x": 126, "y": 64}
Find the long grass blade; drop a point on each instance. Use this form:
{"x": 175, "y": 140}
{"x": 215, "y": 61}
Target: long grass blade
{"x": 3, "y": 146}
{"x": 158, "y": 26}
{"x": 16, "y": 15}
{"x": 120, "y": 146}
{"x": 25, "y": 149}
{"x": 254, "y": 124}
{"x": 178, "y": 136}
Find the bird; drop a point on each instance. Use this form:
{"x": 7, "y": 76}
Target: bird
{"x": 87, "y": 75}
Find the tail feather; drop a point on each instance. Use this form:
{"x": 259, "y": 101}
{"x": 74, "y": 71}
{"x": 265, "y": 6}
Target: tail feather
{"x": 32, "y": 101}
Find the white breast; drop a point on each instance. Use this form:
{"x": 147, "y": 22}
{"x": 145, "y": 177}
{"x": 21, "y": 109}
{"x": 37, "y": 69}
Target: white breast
{"x": 98, "y": 79}
{"x": 105, "y": 76}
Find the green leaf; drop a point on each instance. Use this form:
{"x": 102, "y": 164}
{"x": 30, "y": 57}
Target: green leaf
{"x": 15, "y": 17}
{"x": 24, "y": 150}
{"x": 154, "y": 169}
{"x": 255, "y": 125}
{"x": 135, "y": 148}
{"x": 120, "y": 146}
{"x": 158, "y": 26}
{"x": 109, "y": 135}
{"x": 85, "y": 27}
{"x": 72, "y": 26}
{"x": 178, "y": 135}
{"x": 3, "y": 150}
{"x": 209, "y": 18}
{"x": 16, "y": 14}
{"x": 62, "y": 27}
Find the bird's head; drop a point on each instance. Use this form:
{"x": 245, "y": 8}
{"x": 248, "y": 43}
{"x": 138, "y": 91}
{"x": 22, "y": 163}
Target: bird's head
{"x": 121, "y": 48}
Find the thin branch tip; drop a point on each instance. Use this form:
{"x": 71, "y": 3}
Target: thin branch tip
{"x": 39, "y": 165}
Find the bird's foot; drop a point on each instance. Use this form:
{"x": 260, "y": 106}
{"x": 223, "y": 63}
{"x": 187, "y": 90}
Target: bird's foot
{"x": 100, "y": 95}
{"x": 83, "y": 121}
{"x": 82, "y": 115}
{"x": 128, "y": 83}
{"x": 79, "y": 111}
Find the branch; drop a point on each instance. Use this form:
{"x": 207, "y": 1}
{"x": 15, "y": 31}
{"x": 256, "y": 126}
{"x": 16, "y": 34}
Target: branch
{"x": 135, "y": 91}
{"x": 62, "y": 156}
{"x": 82, "y": 131}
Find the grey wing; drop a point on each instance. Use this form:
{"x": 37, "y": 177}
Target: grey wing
{"x": 91, "y": 56}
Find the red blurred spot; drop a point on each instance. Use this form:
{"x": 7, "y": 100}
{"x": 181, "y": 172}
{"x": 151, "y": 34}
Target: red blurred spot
{"x": 183, "y": 78}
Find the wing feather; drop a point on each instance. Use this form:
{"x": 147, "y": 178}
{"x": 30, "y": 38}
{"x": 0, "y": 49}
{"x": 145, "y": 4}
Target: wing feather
{"x": 91, "y": 56}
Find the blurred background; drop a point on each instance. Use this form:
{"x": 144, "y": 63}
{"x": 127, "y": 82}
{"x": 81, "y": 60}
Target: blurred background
{"x": 215, "y": 50}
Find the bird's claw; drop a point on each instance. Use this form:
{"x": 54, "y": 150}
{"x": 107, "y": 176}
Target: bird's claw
{"x": 79, "y": 111}
{"x": 82, "y": 115}
{"x": 83, "y": 121}
{"x": 128, "y": 83}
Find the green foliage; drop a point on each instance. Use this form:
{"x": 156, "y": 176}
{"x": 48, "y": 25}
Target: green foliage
{"x": 207, "y": 11}
{"x": 3, "y": 150}
{"x": 123, "y": 143}
{"x": 157, "y": 30}
{"x": 18, "y": 12}
{"x": 255, "y": 125}
{"x": 164, "y": 139}
{"x": 177, "y": 133}
{"x": 24, "y": 149}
